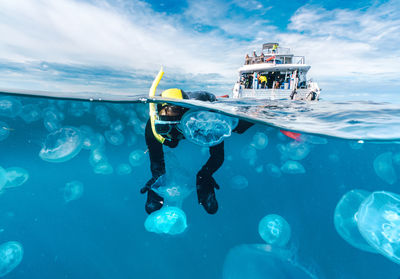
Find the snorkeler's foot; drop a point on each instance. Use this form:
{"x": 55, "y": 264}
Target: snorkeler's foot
{"x": 206, "y": 195}
{"x": 154, "y": 201}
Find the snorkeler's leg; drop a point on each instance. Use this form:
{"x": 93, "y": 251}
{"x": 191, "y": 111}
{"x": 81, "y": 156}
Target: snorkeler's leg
{"x": 242, "y": 126}
{"x": 157, "y": 165}
{"x": 205, "y": 183}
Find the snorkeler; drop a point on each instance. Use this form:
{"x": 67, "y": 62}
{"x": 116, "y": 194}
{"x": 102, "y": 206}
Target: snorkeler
{"x": 163, "y": 130}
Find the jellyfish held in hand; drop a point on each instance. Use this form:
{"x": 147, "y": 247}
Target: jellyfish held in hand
{"x": 207, "y": 128}
{"x": 168, "y": 220}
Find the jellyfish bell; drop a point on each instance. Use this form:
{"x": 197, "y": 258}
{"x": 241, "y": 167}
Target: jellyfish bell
{"x": 11, "y": 254}
{"x": 379, "y": 223}
{"x": 168, "y": 220}
{"x": 383, "y": 165}
{"x": 206, "y": 128}
{"x": 274, "y": 230}
{"x": 73, "y": 190}
{"x": 16, "y": 176}
{"x": 261, "y": 261}
{"x": 345, "y": 219}
{"x": 61, "y": 145}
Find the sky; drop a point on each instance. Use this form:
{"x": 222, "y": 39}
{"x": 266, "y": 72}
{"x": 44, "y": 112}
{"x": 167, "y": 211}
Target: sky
{"x": 119, "y": 45}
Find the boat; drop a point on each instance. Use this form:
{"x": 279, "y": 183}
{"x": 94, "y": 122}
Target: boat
{"x": 275, "y": 74}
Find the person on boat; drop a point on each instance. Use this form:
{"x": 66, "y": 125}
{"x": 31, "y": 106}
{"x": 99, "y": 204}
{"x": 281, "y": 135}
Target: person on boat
{"x": 263, "y": 81}
{"x": 164, "y": 131}
{"x": 247, "y": 60}
{"x": 274, "y": 48}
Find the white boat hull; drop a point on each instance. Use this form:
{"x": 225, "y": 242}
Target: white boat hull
{"x": 272, "y": 94}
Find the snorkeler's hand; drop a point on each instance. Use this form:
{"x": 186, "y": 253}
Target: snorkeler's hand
{"x": 205, "y": 178}
{"x": 154, "y": 182}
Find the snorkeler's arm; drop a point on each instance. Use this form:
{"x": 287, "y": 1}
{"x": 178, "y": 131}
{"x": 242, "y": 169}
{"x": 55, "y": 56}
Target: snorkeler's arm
{"x": 156, "y": 153}
{"x": 216, "y": 159}
{"x": 242, "y": 126}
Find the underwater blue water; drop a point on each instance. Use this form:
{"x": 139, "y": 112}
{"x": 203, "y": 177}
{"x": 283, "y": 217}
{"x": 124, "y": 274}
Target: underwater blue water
{"x": 97, "y": 230}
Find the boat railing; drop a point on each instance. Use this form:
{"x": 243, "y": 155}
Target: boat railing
{"x": 274, "y": 60}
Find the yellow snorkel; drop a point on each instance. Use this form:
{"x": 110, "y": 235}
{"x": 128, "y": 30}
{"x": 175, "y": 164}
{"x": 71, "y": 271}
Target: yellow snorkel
{"x": 152, "y": 106}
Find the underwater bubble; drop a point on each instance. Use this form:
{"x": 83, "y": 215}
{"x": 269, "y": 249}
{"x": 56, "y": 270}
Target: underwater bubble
{"x": 273, "y": 170}
{"x": 3, "y": 178}
{"x": 124, "y": 169}
{"x": 114, "y": 138}
{"x": 167, "y": 220}
{"x": 11, "y": 254}
{"x": 103, "y": 168}
{"x": 345, "y": 219}
{"x": 262, "y": 261}
{"x": 239, "y": 182}
{"x": 249, "y": 153}
{"x": 274, "y": 230}
{"x": 207, "y": 128}
{"x": 293, "y": 167}
{"x": 78, "y": 108}
{"x": 4, "y": 130}
{"x": 137, "y": 157}
{"x": 73, "y": 190}
{"x": 30, "y": 113}
{"x": 260, "y": 141}
{"x": 10, "y": 107}
{"x": 379, "y": 223}
{"x": 117, "y": 126}
{"x": 61, "y": 145}
{"x": 16, "y": 176}
{"x": 384, "y": 168}
{"x": 313, "y": 139}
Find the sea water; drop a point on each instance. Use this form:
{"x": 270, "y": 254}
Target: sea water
{"x": 70, "y": 203}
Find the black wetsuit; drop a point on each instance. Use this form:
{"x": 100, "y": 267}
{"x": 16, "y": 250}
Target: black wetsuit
{"x": 204, "y": 176}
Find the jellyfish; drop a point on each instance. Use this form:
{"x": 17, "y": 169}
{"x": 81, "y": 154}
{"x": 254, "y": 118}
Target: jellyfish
{"x": 384, "y": 168}
{"x": 379, "y": 223}
{"x": 273, "y": 170}
{"x": 395, "y": 158}
{"x": 207, "y": 128}
{"x": 117, "y": 126}
{"x": 239, "y": 182}
{"x": 293, "y": 167}
{"x": 356, "y": 145}
{"x": 61, "y": 145}
{"x": 103, "y": 168}
{"x": 114, "y": 137}
{"x": 10, "y": 106}
{"x": 4, "y": 130}
{"x": 30, "y": 113}
{"x": 334, "y": 158}
{"x": 261, "y": 261}
{"x": 16, "y": 176}
{"x": 102, "y": 116}
{"x": 137, "y": 157}
{"x": 78, "y": 108}
{"x": 124, "y": 169}
{"x": 173, "y": 193}
{"x": 274, "y": 230}
{"x": 3, "y": 178}
{"x": 294, "y": 150}
{"x": 73, "y": 190}
{"x": 345, "y": 219}
{"x": 168, "y": 220}
{"x": 260, "y": 141}
{"x": 249, "y": 153}
{"x": 97, "y": 156}
{"x": 313, "y": 139}
{"x": 11, "y": 254}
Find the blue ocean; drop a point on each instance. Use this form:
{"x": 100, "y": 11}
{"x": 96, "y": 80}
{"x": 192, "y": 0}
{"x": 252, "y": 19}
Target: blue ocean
{"x": 70, "y": 204}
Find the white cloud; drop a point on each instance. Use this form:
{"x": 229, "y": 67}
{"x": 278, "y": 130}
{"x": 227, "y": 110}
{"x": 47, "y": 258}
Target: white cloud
{"x": 352, "y": 46}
